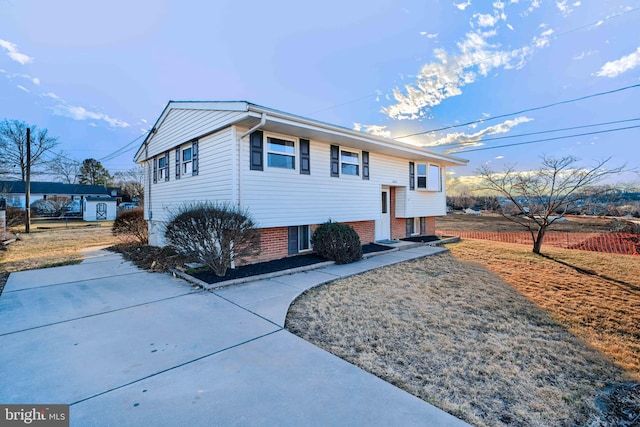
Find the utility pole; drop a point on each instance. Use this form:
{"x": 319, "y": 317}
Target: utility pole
{"x": 27, "y": 224}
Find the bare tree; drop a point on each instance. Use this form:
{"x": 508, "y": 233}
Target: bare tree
{"x": 13, "y": 148}
{"x": 64, "y": 168}
{"x": 539, "y": 198}
{"x": 131, "y": 183}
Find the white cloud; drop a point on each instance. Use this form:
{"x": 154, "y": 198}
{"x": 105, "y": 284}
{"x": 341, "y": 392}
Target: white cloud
{"x": 13, "y": 53}
{"x": 34, "y": 80}
{"x": 565, "y": 8}
{"x": 429, "y": 36}
{"x": 465, "y": 140}
{"x": 62, "y": 108}
{"x": 498, "y": 4}
{"x": 619, "y": 66}
{"x": 499, "y": 157}
{"x": 80, "y": 113}
{"x": 446, "y": 76}
{"x": 463, "y": 6}
{"x": 51, "y": 95}
{"x": 509, "y": 26}
{"x": 486, "y": 20}
{"x": 23, "y": 88}
{"x": 373, "y": 130}
{"x": 584, "y": 54}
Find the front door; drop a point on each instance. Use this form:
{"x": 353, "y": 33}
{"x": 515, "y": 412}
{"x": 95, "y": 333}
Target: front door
{"x": 383, "y": 225}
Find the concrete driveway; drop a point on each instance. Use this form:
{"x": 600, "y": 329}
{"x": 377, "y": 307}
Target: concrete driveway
{"x": 125, "y": 347}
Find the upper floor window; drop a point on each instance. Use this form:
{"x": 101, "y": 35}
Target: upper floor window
{"x": 161, "y": 168}
{"x": 187, "y": 161}
{"x": 349, "y": 163}
{"x": 281, "y": 153}
{"x": 421, "y": 174}
{"x": 428, "y": 177}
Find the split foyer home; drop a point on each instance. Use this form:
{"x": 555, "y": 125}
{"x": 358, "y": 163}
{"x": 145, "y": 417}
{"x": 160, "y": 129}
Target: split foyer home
{"x": 292, "y": 173}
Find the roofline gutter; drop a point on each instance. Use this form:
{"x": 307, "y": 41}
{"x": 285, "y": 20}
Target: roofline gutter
{"x": 389, "y": 142}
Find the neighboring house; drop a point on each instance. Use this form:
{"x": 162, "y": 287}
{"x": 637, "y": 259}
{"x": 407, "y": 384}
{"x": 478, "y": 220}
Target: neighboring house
{"x": 292, "y": 173}
{"x": 99, "y": 208}
{"x": 14, "y": 192}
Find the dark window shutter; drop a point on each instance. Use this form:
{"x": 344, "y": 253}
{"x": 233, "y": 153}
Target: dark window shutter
{"x": 423, "y": 225}
{"x": 409, "y": 226}
{"x": 305, "y": 157}
{"x": 166, "y": 162}
{"x": 292, "y": 241}
{"x": 194, "y": 158}
{"x": 335, "y": 161}
{"x": 155, "y": 170}
{"x": 177, "y": 163}
{"x": 256, "y": 161}
{"x": 365, "y": 165}
{"x": 412, "y": 176}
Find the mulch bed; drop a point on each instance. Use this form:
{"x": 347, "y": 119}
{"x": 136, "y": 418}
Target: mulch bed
{"x": 421, "y": 239}
{"x": 273, "y": 266}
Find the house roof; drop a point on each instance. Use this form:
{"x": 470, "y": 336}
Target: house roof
{"x": 101, "y": 199}
{"x": 52, "y": 188}
{"x": 304, "y": 127}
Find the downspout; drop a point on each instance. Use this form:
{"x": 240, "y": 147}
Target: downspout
{"x": 263, "y": 120}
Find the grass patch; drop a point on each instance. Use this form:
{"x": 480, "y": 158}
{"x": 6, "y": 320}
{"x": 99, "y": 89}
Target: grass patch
{"x": 595, "y": 295}
{"x": 456, "y": 335}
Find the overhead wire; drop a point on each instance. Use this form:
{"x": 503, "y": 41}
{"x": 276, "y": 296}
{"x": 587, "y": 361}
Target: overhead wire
{"x": 473, "y": 141}
{"x": 548, "y": 139}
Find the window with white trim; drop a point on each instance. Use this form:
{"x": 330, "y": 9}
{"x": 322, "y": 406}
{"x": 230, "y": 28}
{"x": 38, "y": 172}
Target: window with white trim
{"x": 434, "y": 182}
{"x": 349, "y": 163}
{"x": 163, "y": 168}
{"x": 428, "y": 177}
{"x": 421, "y": 175}
{"x": 416, "y": 226}
{"x": 281, "y": 153}
{"x": 187, "y": 161}
{"x": 304, "y": 238}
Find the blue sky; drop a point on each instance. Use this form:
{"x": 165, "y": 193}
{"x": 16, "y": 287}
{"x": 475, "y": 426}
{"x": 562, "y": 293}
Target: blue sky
{"x": 98, "y": 74}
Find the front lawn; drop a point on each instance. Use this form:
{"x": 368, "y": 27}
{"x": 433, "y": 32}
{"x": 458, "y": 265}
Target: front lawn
{"x": 453, "y": 333}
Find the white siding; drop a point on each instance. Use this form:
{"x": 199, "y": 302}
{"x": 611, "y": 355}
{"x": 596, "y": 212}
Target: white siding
{"x": 278, "y": 197}
{"x": 213, "y": 182}
{"x": 181, "y": 126}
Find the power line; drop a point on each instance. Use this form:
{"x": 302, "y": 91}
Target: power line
{"x": 553, "y": 104}
{"x": 549, "y": 139}
{"x": 120, "y": 151}
{"x": 461, "y": 144}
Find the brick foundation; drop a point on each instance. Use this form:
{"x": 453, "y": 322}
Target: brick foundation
{"x": 274, "y": 241}
{"x": 365, "y": 229}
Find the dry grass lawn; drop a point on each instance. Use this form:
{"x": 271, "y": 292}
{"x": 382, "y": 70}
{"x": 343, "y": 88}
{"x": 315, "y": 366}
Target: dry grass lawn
{"x": 55, "y": 246}
{"x": 601, "y": 304}
{"x": 456, "y": 335}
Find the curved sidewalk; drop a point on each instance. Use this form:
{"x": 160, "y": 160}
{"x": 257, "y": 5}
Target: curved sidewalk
{"x": 128, "y": 347}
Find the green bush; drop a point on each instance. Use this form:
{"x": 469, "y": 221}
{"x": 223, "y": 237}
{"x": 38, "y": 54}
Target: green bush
{"x": 337, "y": 242}
{"x": 215, "y": 234}
{"x": 131, "y": 224}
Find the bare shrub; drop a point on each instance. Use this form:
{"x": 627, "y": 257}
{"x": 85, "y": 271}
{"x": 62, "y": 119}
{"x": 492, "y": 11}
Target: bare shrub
{"x": 15, "y": 217}
{"x": 215, "y": 234}
{"x": 131, "y": 225}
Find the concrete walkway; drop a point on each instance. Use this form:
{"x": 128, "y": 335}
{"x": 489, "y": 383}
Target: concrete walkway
{"x": 126, "y": 347}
